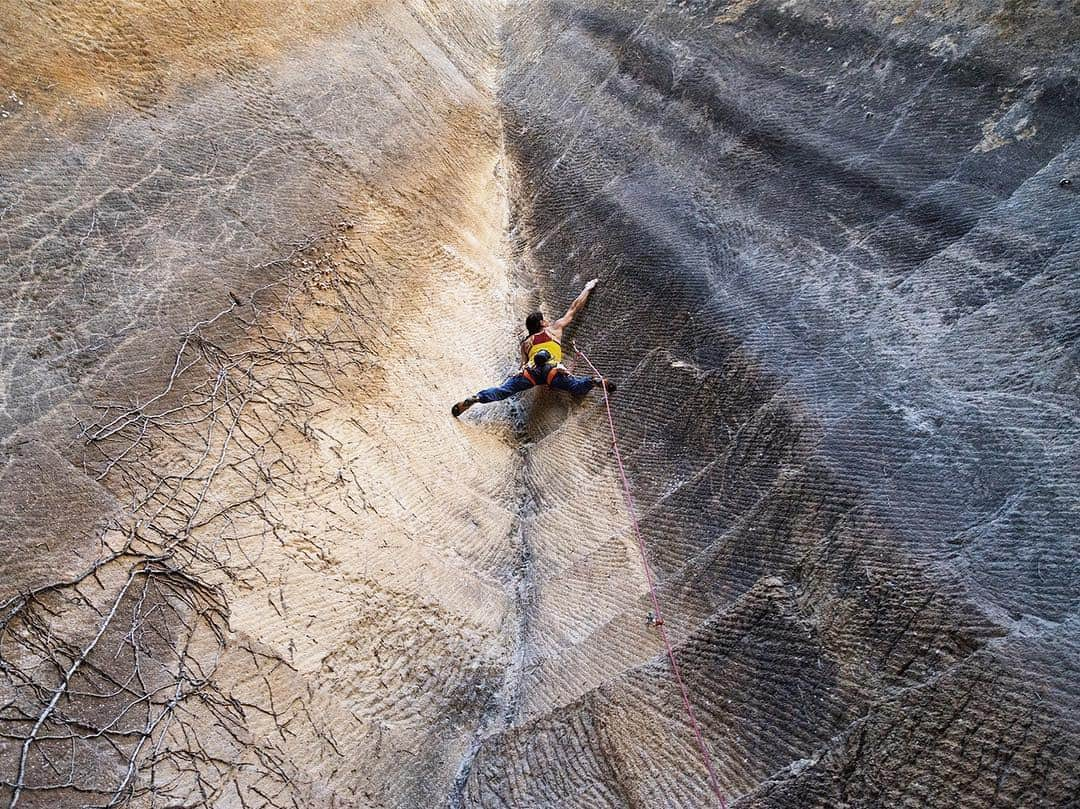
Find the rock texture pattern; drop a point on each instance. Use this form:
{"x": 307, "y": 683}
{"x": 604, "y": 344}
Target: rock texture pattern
{"x": 252, "y": 252}
{"x": 841, "y": 273}
{"x": 245, "y": 563}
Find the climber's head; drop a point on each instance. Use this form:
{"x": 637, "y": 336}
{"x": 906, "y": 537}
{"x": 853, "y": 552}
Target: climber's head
{"x": 541, "y": 358}
{"x": 535, "y": 322}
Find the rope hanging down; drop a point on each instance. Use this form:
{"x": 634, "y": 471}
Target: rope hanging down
{"x": 659, "y": 621}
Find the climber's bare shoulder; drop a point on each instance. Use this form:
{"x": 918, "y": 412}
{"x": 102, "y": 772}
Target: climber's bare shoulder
{"x": 555, "y": 331}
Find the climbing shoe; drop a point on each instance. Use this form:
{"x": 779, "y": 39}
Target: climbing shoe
{"x": 606, "y": 384}
{"x": 462, "y": 406}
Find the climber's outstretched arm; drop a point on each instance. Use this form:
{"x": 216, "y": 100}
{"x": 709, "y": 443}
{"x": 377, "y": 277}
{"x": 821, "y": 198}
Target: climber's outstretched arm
{"x": 575, "y": 307}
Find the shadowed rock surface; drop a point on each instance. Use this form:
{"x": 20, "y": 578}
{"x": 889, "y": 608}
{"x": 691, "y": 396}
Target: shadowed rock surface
{"x": 251, "y": 254}
{"x": 841, "y": 292}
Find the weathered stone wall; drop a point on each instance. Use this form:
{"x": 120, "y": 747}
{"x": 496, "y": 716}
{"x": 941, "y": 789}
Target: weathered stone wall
{"x": 253, "y": 251}
{"x": 245, "y": 564}
{"x": 839, "y": 288}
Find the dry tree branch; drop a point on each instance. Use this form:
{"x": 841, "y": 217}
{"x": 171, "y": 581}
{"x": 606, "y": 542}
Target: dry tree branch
{"x": 134, "y": 708}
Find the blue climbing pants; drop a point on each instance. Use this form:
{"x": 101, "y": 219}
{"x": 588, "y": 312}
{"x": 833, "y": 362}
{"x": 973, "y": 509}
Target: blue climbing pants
{"x": 575, "y": 385}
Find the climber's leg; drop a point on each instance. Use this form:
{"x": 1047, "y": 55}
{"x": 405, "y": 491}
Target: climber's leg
{"x": 513, "y": 385}
{"x": 578, "y": 385}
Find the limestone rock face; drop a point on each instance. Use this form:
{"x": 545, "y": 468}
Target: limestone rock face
{"x": 253, "y": 251}
{"x": 841, "y": 290}
{"x": 249, "y": 559}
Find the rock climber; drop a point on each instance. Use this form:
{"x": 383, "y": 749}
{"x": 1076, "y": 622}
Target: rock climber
{"x": 541, "y": 361}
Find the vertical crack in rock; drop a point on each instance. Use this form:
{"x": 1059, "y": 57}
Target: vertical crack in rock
{"x": 502, "y": 711}
{"x": 521, "y": 585}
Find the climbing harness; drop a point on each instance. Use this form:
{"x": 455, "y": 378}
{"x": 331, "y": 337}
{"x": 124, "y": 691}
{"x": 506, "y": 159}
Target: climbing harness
{"x": 534, "y": 375}
{"x": 541, "y": 369}
{"x": 656, "y": 617}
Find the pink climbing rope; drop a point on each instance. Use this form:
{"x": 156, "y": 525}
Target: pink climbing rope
{"x": 713, "y": 781}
